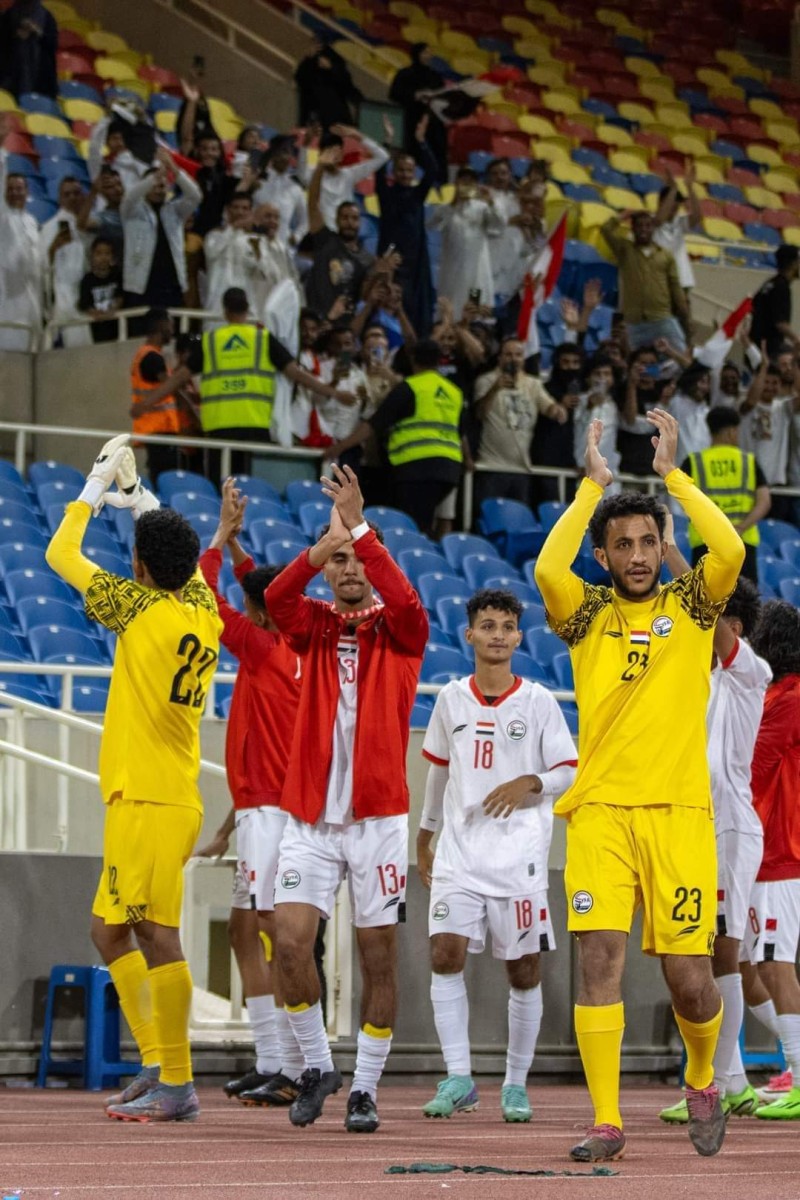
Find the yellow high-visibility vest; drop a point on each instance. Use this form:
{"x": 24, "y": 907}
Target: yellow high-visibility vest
{"x": 433, "y": 430}
{"x": 238, "y": 383}
{"x": 727, "y": 475}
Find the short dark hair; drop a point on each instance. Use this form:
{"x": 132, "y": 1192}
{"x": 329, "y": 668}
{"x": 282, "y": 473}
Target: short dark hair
{"x": 626, "y": 504}
{"x": 665, "y": 191}
{"x": 329, "y": 139}
{"x": 722, "y": 417}
{"x": 501, "y": 160}
{"x": 102, "y": 240}
{"x": 346, "y": 204}
{"x": 234, "y": 300}
{"x": 191, "y": 344}
{"x": 467, "y": 173}
{"x": 16, "y": 175}
{"x": 744, "y": 605}
{"x": 309, "y": 314}
{"x": 730, "y": 365}
{"x": 497, "y": 598}
{"x": 240, "y": 196}
{"x": 74, "y": 179}
{"x": 637, "y": 216}
{"x": 786, "y": 256}
{"x": 168, "y": 547}
{"x": 256, "y": 582}
{"x": 426, "y": 353}
{"x": 776, "y": 637}
{"x": 153, "y": 318}
{"x": 376, "y": 529}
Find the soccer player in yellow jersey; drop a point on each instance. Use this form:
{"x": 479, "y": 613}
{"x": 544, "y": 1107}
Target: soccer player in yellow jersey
{"x": 167, "y": 629}
{"x": 641, "y": 827}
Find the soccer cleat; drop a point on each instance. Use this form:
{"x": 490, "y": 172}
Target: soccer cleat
{"x": 161, "y": 1103}
{"x": 706, "y": 1119}
{"x": 778, "y": 1085}
{"x": 455, "y": 1094}
{"x": 741, "y": 1104}
{"x": 315, "y": 1087}
{"x": 277, "y": 1091}
{"x": 245, "y": 1083}
{"x": 603, "y": 1143}
{"x": 783, "y": 1108}
{"x": 676, "y": 1114}
{"x": 145, "y": 1081}
{"x": 362, "y": 1115}
{"x": 514, "y": 1103}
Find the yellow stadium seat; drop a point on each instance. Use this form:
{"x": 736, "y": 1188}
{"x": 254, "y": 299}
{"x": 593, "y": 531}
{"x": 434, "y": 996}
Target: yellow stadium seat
{"x": 766, "y": 108}
{"x": 628, "y": 162}
{"x": 569, "y": 172}
{"x": 722, "y": 230}
{"x": 731, "y": 92}
{"x": 780, "y": 181}
{"x": 590, "y": 219}
{"x": 7, "y": 102}
{"x": 503, "y": 108}
{"x": 561, "y": 20}
{"x": 166, "y": 120}
{"x": 112, "y": 68}
{"x": 610, "y": 16}
{"x": 83, "y": 110}
{"x": 537, "y": 50}
{"x": 542, "y": 8}
{"x": 519, "y": 25}
{"x": 643, "y": 67}
{"x": 353, "y": 52}
{"x": 564, "y": 102}
{"x": 372, "y": 205}
{"x": 404, "y": 8}
{"x": 221, "y": 110}
{"x": 133, "y": 58}
{"x": 553, "y": 193}
{"x": 736, "y": 63}
{"x": 229, "y": 130}
{"x": 420, "y": 33}
{"x": 451, "y": 39}
{"x": 658, "y": 90}
{"x": 631, "y": 111}
{"x": 783, "y": 132}
{"x": 550, "y": 151}
{"x": 700, "y": 247}
{"x": 61, "y": 11}
{"x": 708, "y": 172}
{"x": 621, "y": 198}
{"x": 713, "y": 78}
{"x": 109, "y": 43}
{"x": 675, "y": 114}
{"x": 40, "y": 124}
{"x": 689, "y": 143}
{"x": 549, "y": 75}
{"x": 78, "y": 25}
{"x": 761, "y": 197}
{"x": 470, "y": 64}
{"x": 764, "y": 155}
{"x": 791, "y": 235}
{"x": 537, "y": 126}
{"x": 613, "y": 135}
{"x": 665, "y": 131}
{"x": 380, "y": 69}
{"x": 396, "y": 56}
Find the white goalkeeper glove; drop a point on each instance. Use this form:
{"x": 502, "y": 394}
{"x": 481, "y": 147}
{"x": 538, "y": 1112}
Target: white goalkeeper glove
{"x": 131, "y": 492}
{"x": 104, "y": 471}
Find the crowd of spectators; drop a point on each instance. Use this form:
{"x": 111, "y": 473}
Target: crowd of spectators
{"x": 161, "y": 229}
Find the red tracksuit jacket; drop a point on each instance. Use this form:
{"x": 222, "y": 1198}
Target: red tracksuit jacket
{"x": 390, "y": 648}
{"x": 776, "y": 780}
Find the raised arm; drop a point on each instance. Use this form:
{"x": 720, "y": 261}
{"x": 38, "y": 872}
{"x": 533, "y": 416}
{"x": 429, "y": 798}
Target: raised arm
{"x": 562, "y": 590}
{"x": 292, "y": 612}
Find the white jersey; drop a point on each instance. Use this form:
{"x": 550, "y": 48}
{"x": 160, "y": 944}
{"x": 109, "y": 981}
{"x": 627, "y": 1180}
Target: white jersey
{"x": 339, "y": 796}
{"x": 734, "y": 715}
{"x": 484, "y": 745}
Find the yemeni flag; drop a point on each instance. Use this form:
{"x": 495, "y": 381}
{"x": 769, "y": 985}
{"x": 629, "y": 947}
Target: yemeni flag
{"x": 539, "y": 284}
{"x": 714, "y": 352}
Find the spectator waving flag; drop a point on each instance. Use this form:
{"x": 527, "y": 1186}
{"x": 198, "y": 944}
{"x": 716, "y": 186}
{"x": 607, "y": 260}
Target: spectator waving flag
{"x": 714, "y": 352}
{"x": 539, "y": 284}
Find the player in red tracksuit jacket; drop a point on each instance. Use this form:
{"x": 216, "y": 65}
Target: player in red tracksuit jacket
{"x": 346, "y": 791}
{"x": 260, "y": 727}
{"x": 776, "y": 796}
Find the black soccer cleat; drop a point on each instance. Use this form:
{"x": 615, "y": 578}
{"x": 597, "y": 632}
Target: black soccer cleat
{"x": 277, "y": 1091}
{"x": 250, "y": 1079}
{"x": 315, "y": 1087}
{"x": 362, "y": 1115}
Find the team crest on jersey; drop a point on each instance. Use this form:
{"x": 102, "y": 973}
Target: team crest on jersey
{"x": 440, "y": 911}
{"x": 290, "y": 879}
{"x": 583, "y": 902}
{"x": 662, "y": 626}
{"x": 516, "y": 730}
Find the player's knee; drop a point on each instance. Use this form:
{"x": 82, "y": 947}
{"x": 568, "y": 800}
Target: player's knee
{"x": 447, "y": 958}
{"x": 524, "y": 973}
{"x": 600, "y": 957}
{"x": 378, "y": 950}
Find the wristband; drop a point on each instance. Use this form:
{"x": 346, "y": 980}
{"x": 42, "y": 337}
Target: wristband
{"x": 359, "y": 531}
{"x": 93, "y": 491}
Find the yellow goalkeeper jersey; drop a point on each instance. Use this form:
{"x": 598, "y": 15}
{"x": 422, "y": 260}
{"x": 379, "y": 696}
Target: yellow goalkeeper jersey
{"x": 641, "y": 669}
{"x": 167, "y": 651}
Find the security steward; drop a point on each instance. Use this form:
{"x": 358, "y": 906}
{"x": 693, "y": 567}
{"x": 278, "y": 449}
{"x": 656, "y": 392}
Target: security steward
{"x": 237, "y": 388}
{"x": 731, "y": 478}
{"x": 155, "y": 409}
{"x": 421, "y": 421}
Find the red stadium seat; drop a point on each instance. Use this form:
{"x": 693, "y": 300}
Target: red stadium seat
{"x": 73, "y": 62}
{"x": 742, "y": 178}
{"x": 67, "y": 40}
{"x": 711, "y": 208}
{"x": 657, "y": 141}
{"x": 741, "y": 214}
{"x": 496, "y": 122}
{"x": 792, "y": 201}
{"x": 161, "y": 77}
{"x": 505, "y": 146}
{"x": 709, "y": 121}
{"x": 463, "y": 139}
{"x": 572, "y": 128}
{"x": 779, "y": 218}
{"x": 20, "y": 143}
{"x": 527, "y": 94}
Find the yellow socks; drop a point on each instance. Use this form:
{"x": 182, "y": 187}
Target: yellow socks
{"x": 700, "y": 1041}
{"x": 129, "y": 975}
{"x": 599, "y": 1033}
{"x": 171, "y": 989}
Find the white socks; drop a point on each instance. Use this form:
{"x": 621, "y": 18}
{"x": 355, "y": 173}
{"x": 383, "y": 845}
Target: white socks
{"x": 789, "y": 1033}
{"x": 451, "y": 1017}
{"x": 292, "y": 1062}
{"x": 729, "y": 1073}
{"x": 309, "y": 1030}
{"x": 261, "y": 1013}
{"x": 765, "y": 1013}
{"x": 524, "y": 1021}
{"x": 370, "y": 1060}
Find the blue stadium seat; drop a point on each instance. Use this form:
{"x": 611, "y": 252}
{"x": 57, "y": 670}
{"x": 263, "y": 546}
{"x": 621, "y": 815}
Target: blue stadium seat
{"x": 570, "y": 714}
{"x": 508, "y": 583}
{"x": 582, "y": 193}
{"x": 58, "y": 644}
{"x": 28, "y": 581}
{"x": 456, "y": 547}
{"x": 587, "y": 158}
{"x": 302, "y": 491}
{"x": 110, "y": 561}
{"x": 542, "y": 645}
{"x": 12, "y": 647}
{"x": 758, "y": 232}
{"x": 772, "y": 570}
{"x": 774, "y": 532}
{"x": 8, "y": 619}
{"x": 549, "y": 512}
{"x": 234, "y": 596}
{"x": 99, "y": 538}
{"x": 10, "y": 489}
{"x": 726, "y": 193}
{"x": 121, "y": 522}
{"x": 398, "y": 540}
{"x": 54, "y": 472}
{"x": 312, "y": 514}
{"x": 390, "y": 518}
{"x": 512, "y": 527}
{"x": 789, "y": 589}
{"x": 439, "y": 660}
{"x": 283, "y": 550}
{"x": 261, "y": 508}
{"x": 522, "y": 664}
{"x": 22, "y": 529}
{"x": 420, "y": 562}
{"x": 170, "y": 482}
{"x": 561, "y": 666}
{"x": 223, "y": 698}
{"x": 266, "y": 530}
{"x": 59, "y": 491}
{"x": 26, "y": 687}
{"x": 790, "y": 550}
{"x": 160, "y": 101}
{"x": 16, "y": 510}
{"x": 34, "y": 102}
{"x": 437, "y": 585}
{"x": 479, "y": 567}
{"x": 440, "y": 636}
{"x": 44, "y": 610}
{"x": 41, "y": 210}
{"x": 533, "y": 616}
{"x": 451, "y": 616}
{"x": 319, "y": 590}
{"x": 253, "y": 485}
{"x": 479, "y": 160}
{"x": 420, "y": 714}
{"x": 16, "y": 556}
{"x": 73, "y": 89}
{"x": 90, "y": 696}
{"x": 10, "y": 473}
{"x": 20, "y": 164}
{"x": 203, "y": 523}
{"x": 195, "y": 502}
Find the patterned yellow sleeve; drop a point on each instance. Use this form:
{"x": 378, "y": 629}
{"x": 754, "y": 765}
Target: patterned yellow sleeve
{"x": 691, "y": 590}
{"x": 575, "y": 628}
{"x": 116, "y": 602}
{"x": 722, "y": 564}
{"x": 197, "y": 592}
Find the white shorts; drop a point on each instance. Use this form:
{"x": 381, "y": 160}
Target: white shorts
{"x": 738, "y": 859}
{"x": 258, "y": 840}
{"x": 775, "y": 918}
{"x": 373, "y": 854}
{"x": 446, "y": 509}
{"x": 519, "y": 925}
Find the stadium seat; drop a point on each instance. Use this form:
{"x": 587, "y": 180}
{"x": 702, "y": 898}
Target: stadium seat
{"x": 10, "y": 474}
{"x": 99, "y": 538}
{"x": 29, "y": 581}
{"x": 416, "y": 563}
{"x": 789, "y": 589}
{"x": 252, "y": 486}
{"x": 479, "y": 567}
{"x": 457, "y": 546}
{"x": 259, "y": 508}
{"x": 301, "y": 491}
{"x": 313, "y": 514}
{"x": 522, "y": 664}
{"x": 774, "y": 532}
{"x": 111, "y": 561}
{"x": 16, "y": 556}
{"x": 513, "y": 528}
{"x": 509, "y": 583}
{"x": 561, "y": 667}
{"x": 32, "y": 611}
{"x": 773, "y": 570}
{"x": 543, "y": 646}
{"x": 549, "y": 512}
{"x": 266, "y": 530}
{"x": 389, "y": 518}
{"x": 790, "y": 551}
{"x": 281, "y": 551}
{"x": 171, "y": 482}
{"x": 194, "y": 502}
{"x": 441, "y": 660}
{"x": 233, "y": 595}
{"x": 90, "y": 697}
{"x": 11, "y": 647}
{"x": 434, "y": 586}
{"x": 57, "y": 644}
{"x": 24, "y": 687}
{"x": 58, "y": 492}
{"x": 397, "y": 540}
{"x": 22, "y": 529}
{"x": 319, "y": 590}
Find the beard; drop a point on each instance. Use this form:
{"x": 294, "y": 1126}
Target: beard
{"x": 623, "y": 588}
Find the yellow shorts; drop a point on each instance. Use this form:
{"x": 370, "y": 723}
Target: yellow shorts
{"x": 145, "y": 847}
{"x": 660, "y": 856}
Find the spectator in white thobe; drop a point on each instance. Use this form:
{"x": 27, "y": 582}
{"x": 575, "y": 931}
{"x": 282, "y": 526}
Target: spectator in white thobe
{"x": 338, "y": 182}
{"x": 63, "y": 253}
{"x": 240, "y": 255}
{"x": 20, "y": 262}
{"x": 467, "y": 224}
{"x": 277, "y": 186}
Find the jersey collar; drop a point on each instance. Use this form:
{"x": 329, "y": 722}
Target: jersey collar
{"x": 481, "y": 699}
